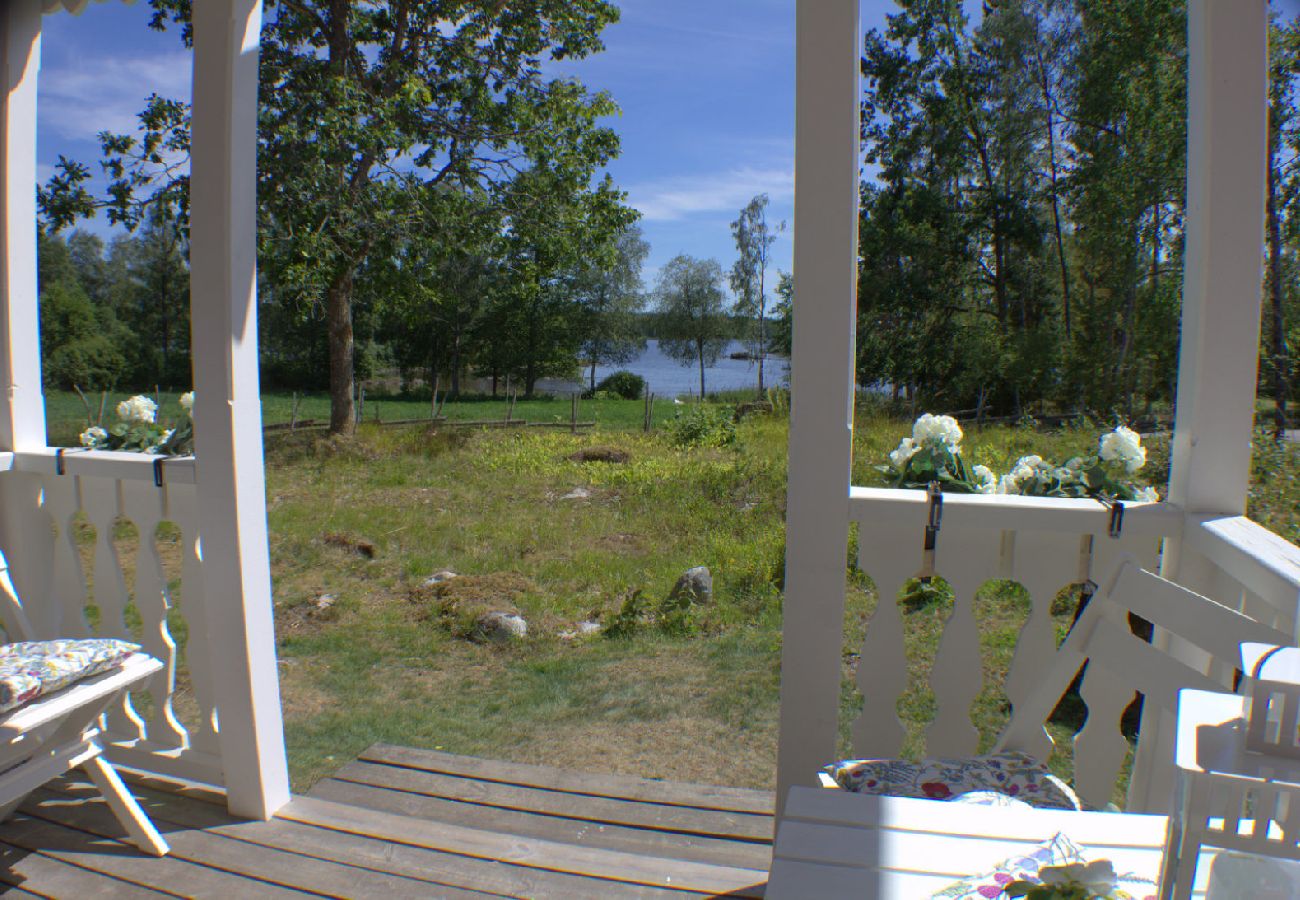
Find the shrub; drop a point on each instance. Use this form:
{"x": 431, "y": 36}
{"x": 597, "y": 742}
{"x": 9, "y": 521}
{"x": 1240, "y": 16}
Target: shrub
{"x": 702, "y": 426}
{"x": 627, "y": 385}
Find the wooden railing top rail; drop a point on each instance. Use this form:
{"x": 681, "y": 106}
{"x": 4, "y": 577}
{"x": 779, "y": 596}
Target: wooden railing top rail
{"x": 101, "y": 464}
{"x": 1266, "y": 563}
{"x": 1010, "y": 512}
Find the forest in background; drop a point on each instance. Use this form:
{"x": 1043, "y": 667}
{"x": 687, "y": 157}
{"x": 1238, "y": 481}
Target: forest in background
{"x": 1021, "y": 232}
{"x": 1022, "y": 236}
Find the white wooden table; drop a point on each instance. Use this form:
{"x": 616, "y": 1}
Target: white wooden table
{"x": 833, "y": 844}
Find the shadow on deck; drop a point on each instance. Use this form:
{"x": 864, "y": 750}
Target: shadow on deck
{"x": 400, "y": 822}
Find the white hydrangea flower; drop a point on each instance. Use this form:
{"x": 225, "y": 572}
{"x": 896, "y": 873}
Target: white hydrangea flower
{"x": 1007, "y": 484}
{"x": 1097, "y": 877}
{"x": 988, "y": 482}
{"x": 937, "y": 428}
{"x": 1148, "y": 495}
{"x": 187, "y": 401}
{"x": 1065, "y": 474}
{"x": 94, "y": 437}
{"x": 1124, "y": 445}
{"x": 138, "y": 409}
{"x": 905, "y": 451}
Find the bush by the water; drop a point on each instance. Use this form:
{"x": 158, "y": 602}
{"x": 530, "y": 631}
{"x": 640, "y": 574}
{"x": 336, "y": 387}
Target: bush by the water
{"x": 625, "y": 384}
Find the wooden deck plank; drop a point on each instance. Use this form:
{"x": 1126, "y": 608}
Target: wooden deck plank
{"x": 258, "y": 870}
{"x": 610, "y": 865}
{"x": 26, "y": 873}
{"x": 584, "y": 807}
{"x": 120, "y": 867}
{"x": 646, "y": 790}
{"x": 591, "y": 832}
{"x": 440, "y": 871}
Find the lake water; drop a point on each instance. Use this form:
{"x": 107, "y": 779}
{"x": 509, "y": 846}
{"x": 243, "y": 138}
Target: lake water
{"x": 666, "y": 377}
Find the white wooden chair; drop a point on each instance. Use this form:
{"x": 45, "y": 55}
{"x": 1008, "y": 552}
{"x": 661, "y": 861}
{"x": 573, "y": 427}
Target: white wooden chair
{"x": 1209, "y": 634}
{"x": 56, "y": 732}
{"x": 1209, "y": 638}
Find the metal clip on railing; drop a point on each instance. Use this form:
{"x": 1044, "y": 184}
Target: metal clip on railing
{"x": 934, "y": 519}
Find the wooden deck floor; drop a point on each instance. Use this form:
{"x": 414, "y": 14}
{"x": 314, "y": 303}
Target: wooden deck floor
{"x": 404, "y": 823}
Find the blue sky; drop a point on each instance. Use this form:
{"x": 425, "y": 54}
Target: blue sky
{"x": 706, "y": 89}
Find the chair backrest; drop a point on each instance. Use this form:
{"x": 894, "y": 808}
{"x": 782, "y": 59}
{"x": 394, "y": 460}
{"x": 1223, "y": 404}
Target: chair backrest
{"x": 1119, "y": 663}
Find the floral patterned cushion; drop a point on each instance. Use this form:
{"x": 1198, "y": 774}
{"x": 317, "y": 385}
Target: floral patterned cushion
{"x": 1014, "y": 774}
{"x": 33, "y": 668}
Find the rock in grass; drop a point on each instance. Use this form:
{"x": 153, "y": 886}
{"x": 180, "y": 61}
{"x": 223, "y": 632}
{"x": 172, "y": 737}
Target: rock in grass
{"x": 578, "y": 493}
{"x": 439, "y": 577}
{"x": 696, "y": 584}
{"x": 323, "y": 607}
{"x": 502, "y": 627}
{"x": 581, "y": 630}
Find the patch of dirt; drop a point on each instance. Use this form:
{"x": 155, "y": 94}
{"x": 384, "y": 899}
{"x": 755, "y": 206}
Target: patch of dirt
{"x": 601, "y": 454}
{"x": 360, "y": 546}
{"x": 621, "y": 542}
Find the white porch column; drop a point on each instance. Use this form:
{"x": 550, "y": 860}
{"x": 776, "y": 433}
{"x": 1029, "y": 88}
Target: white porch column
{"x": 822, "y": 378}
{"x": 22, "y": 416}
{"x": 1227, "y": 122}
{"x": 227, "y": 412}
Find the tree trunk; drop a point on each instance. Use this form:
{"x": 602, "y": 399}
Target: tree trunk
{"x": 593, "y": 373}
{"x": 1277, "y": 346}
{"x": 699, "y": 353}
{"x": 342, "y": 352}
{"x": 1048, "y": 104}
{"x": 762, "y": 325}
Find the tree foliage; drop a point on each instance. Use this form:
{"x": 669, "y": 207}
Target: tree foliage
{"x": 754, "y": 238}
{"x": 1023, "y": 238}
{"x": 372, "y": 115}
{"x": 694, "y": 327}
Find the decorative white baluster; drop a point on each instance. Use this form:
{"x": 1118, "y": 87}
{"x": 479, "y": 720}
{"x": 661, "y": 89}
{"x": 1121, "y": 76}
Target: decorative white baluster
{"x": 183, "y": 511}
{"x": 144, "y": 504}
{"x": 1044, "y": 563}
{"x": 102, "y": 499}
{"x": 62, "y": 501}
{"x": 882, "y": 673}
{"x": 966, "y": 559}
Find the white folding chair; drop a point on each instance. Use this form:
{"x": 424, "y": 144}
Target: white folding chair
{"x": 56, "y": 732}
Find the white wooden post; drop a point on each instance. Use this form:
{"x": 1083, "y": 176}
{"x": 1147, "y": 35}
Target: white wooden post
{"x": 1227, "y": 159}
{"x": 1227, "y": 156}
{"x": 22, "y": 416}
{"x": 822, "y": 379}
{"x": 227, "y": 412}
{"x": 22, "y": 403}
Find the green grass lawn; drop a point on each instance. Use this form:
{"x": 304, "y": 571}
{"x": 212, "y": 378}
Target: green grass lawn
{"x": 698, "y": 701}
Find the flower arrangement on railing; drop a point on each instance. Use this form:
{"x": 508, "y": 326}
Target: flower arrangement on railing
{"x": 933, "y": 454}
{"x": 139, "y": 430}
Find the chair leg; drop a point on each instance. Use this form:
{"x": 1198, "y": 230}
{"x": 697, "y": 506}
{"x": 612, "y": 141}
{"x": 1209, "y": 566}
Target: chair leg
{"x": 128, "y": 812}
{"x": 1169, "y": 864}
{"x": 1189, "y": 851}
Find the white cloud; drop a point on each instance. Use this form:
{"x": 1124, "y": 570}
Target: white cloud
{"x": 80, "y": 98}
{"x": 679, "y": 196}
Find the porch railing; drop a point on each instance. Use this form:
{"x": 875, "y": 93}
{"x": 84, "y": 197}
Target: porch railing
{"x": 1044, "y": 545}
{"x": 69, "y": 518}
